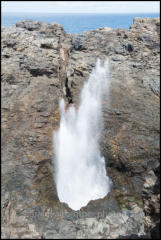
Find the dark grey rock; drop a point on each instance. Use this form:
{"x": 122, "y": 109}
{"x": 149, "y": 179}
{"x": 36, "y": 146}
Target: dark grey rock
{"x": 78, "y": 43}
{"x": 40, "y": 65}
{"x": 29, "y": 25}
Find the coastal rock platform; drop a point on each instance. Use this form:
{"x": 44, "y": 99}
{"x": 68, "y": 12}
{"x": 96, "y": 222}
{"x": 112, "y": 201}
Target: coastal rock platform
{"x": 41, "y": 64}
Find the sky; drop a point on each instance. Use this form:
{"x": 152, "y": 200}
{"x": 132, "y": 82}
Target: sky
{"x": 81, "y": 6}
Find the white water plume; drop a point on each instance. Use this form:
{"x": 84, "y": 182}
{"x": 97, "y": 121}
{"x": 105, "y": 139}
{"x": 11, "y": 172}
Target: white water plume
{"x": 80, "y": 168}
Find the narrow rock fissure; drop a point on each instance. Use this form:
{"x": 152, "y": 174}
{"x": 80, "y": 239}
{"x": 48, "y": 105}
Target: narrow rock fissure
{"x": 129, "y": 142}
{"x": 68, "y": 92}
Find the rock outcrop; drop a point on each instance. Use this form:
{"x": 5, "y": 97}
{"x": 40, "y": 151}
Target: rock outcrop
{"x": 41, "y": 63}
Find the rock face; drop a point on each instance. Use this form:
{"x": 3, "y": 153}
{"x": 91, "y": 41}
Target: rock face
{"x": 41, "y": 64}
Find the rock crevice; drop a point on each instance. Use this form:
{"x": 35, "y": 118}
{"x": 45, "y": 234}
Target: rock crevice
{"x": 41, "y": 64}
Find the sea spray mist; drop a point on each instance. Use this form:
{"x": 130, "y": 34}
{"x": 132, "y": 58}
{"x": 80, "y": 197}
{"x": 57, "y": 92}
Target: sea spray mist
{"x": 80, "y": 169}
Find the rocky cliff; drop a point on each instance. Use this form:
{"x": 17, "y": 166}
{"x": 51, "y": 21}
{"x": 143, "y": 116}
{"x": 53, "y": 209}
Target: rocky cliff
{"x": 41, "y": 64}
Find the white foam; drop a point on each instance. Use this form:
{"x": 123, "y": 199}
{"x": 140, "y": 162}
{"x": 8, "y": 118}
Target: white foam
{"x": 80, "y": 168}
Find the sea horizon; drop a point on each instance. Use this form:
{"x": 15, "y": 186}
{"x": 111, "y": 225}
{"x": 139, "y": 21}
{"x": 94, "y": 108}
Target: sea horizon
{"x": 77, "y": 22}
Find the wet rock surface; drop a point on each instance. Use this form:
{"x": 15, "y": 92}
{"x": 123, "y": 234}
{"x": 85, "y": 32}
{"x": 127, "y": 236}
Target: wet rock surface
{"x": 42, "y": 64}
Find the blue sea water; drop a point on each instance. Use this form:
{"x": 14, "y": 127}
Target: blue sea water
{"x": 77, "y": 23}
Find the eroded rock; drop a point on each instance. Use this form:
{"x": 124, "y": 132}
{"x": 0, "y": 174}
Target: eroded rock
{"x": 42, "y": 64}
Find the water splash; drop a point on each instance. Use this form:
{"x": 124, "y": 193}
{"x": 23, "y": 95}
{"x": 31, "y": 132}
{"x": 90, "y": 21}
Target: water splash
{"x": 80, "y": 168}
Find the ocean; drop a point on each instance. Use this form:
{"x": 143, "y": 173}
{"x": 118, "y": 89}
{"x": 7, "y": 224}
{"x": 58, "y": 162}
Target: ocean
{"x": 77, "y": 23}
